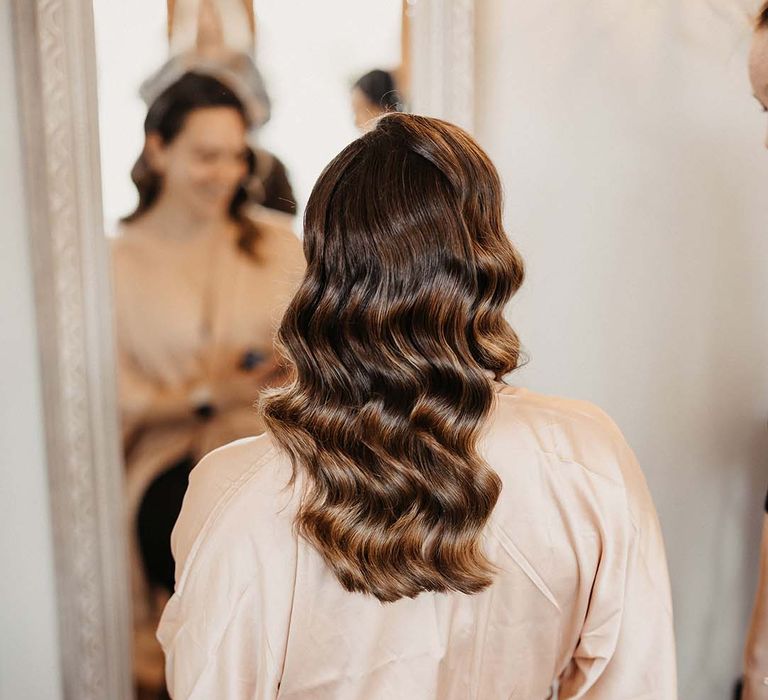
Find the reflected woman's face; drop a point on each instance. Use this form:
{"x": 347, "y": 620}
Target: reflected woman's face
{"x": 204, "y": 164}
{"x": 758, "y": 69}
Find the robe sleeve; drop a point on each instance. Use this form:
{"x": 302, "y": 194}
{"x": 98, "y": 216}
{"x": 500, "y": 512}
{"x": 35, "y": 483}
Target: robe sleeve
{"x": 225, "y": 629}
{"x": 626, "y": 649}
{"x": 221, "y": 649}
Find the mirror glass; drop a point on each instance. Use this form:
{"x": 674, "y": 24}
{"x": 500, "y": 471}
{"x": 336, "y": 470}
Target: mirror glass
{"x": 216, "y": 117}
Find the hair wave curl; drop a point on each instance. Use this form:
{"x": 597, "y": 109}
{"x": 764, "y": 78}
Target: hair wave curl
{"x": 391, "y": 340}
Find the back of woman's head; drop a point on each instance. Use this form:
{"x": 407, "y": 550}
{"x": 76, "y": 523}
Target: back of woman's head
{"x": 395, "y": 337}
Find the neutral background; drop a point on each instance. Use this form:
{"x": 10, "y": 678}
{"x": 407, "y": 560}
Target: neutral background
{"x": 637, "y": 189}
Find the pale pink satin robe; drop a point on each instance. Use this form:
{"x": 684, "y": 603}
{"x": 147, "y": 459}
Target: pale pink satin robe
{"x": 582, "y": 594}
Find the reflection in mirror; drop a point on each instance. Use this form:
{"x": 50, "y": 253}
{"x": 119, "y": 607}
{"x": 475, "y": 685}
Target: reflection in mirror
{"x": 215, "y": 121}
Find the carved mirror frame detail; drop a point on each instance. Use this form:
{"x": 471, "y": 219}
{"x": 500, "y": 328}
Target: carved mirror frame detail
{"x": 443, "y": 50}
{"x": 56, "y": 86}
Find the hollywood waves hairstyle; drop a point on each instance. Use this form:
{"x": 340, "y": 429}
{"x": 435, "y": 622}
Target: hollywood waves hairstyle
{"x": 394, "y": 340}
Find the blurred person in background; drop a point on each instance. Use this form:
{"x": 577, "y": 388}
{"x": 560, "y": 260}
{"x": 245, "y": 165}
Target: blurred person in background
{"x": 373, "y": 95}
{"x": 217, "y": 38}
{"x": 201, "y": 278}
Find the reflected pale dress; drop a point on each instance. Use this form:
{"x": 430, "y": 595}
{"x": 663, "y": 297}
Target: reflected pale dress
{"x": 186, "y": 311}
{"x": 582, "y": 592}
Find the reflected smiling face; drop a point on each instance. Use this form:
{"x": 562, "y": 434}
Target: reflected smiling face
{"x": 204, "y": 164}
{"x": 758, "y": 68}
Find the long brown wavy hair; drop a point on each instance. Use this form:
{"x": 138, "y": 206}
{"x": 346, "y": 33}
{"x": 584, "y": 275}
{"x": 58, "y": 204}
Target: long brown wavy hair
{"x": 166, "y": 117}
{"x": 392, "y": 340}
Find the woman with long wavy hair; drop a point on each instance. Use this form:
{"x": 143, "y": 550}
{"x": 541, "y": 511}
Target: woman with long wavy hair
{"x": 410, "y": 526}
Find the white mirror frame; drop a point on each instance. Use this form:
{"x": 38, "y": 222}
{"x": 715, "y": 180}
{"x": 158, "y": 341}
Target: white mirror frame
{"x": 56, "y": 83}
{"x": 443, "y": 50}
{"x": 56, "y": 78}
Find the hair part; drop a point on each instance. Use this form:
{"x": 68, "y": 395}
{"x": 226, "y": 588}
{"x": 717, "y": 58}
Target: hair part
{"x": 391, "y": 339}
{"x": 166, "y": 117}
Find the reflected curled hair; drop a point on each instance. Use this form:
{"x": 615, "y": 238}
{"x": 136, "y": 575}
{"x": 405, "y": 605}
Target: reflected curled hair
{"x": 392, "y": 339}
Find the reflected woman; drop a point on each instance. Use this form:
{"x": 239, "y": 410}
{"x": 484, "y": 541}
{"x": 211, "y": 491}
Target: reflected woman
{"x": 410, "y": 526}
{"x": 373, "y": 95}
{"x": 756, "y": 656}
{"x": 201, "y": 281}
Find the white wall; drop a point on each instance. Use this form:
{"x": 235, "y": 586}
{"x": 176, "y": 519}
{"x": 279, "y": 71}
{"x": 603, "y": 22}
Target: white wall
{"x": 311, "y": 53}
{"x": 636, "y": 182}
{"x": 29, "y": 653}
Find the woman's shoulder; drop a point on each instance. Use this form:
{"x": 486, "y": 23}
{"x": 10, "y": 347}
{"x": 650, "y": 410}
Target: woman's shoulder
{"x": 566, "y": 430}
{"x": 272, "y": 218}
{"x": 130, "y": 258}
{"x": 131, "y": 241}
{"x": 236, "y": 490}
{"x": 278, "y": 243}
{"x": 274, "y": 225}
{"x": 280, "y": 251}
{"x": 231, "y": 465}
{"x": 553, "y": 449}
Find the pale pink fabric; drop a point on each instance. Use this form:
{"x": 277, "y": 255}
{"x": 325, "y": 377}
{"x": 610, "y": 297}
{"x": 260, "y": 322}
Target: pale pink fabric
{"x": 163, "y": 289}
{"x": 582, "y": 594}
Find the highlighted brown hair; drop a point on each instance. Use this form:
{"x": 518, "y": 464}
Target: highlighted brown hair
{"x": 391, "y": 339}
